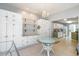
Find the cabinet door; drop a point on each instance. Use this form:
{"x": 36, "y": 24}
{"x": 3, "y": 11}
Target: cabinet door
{"x": 3, "y": 20}
{"x": 10, "y": 27}
{"x": 4, "y": 26}
{"x": 17, "y": 30}
{"x": 0, "y": 28}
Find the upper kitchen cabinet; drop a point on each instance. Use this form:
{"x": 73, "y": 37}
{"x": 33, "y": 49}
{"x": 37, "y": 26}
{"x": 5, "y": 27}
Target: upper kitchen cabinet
{"x": 11, "y": 25}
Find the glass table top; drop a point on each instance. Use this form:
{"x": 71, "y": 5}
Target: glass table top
{"x": 47, "y": 40}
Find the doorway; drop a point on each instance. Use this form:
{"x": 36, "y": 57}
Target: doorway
{"x": 66, "y": 28}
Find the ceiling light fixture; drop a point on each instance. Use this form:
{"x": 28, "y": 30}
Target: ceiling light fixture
{"x": 69, "y": 21}
{"x": 45, "y": 14}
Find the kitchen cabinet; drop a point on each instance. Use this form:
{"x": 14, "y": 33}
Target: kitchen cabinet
{"x": 74, "y": 35}
{"x": 10, "y": 27}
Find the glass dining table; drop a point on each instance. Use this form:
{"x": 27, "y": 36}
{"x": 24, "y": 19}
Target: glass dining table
{"x": 47, "y": 43}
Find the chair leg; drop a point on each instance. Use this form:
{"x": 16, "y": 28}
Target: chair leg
{"x": 10, "y": 53}
{"x": 53, "y": 52}
{"x": 41, "y": 51}
{"x": 77, "y": 51}
{"x": 48, "y": 53}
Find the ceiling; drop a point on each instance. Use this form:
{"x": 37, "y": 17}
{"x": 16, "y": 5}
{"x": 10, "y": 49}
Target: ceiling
{"x": 38, "y": 8}
{"x": 73, "y": 20}
{"x": 48, "y": 7}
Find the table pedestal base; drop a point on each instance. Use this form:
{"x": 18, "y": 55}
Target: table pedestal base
{"x": 48, "y": 50}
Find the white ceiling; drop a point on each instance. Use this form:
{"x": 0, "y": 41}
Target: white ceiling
{"x": 50, "y": 8}
{"x": 73, "y": 20}
{"x": 38, "y": 8}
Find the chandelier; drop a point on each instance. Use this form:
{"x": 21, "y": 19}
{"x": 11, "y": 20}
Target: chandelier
{"x": 45, "y": 14}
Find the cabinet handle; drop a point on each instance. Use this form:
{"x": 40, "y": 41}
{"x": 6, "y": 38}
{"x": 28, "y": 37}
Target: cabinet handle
{"x": 6, "y": 16}
{"x": 13, "y": 24}
{"x": 6, "y": 36}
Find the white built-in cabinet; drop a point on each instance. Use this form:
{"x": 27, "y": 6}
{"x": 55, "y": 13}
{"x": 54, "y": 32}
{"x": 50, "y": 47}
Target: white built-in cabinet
{"x": 11, "y": 26}
{"x": 11, "y": 29}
